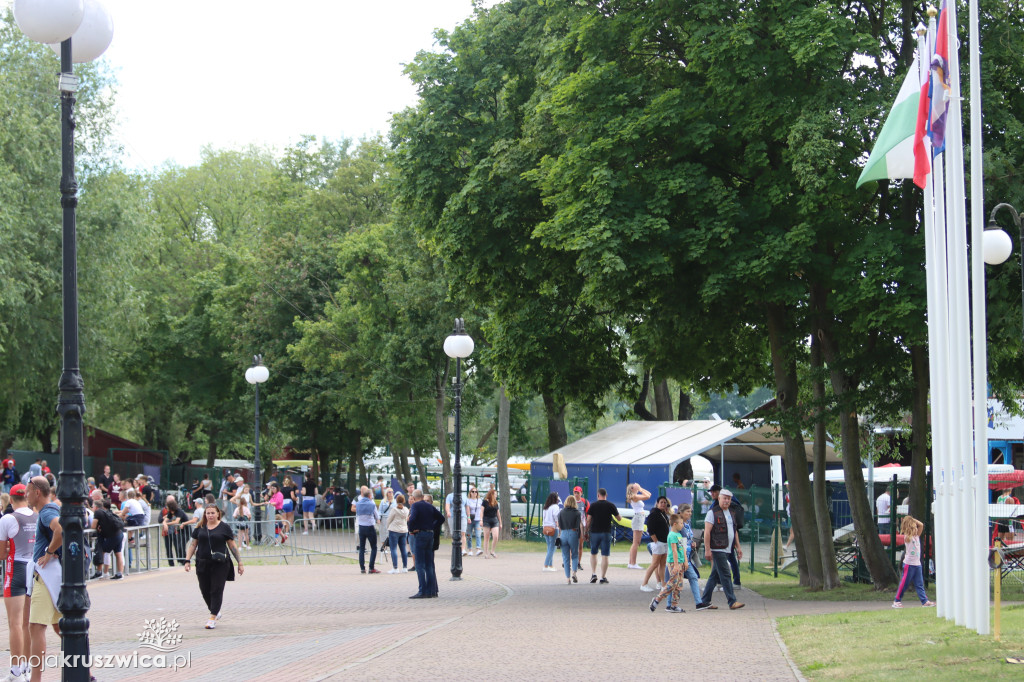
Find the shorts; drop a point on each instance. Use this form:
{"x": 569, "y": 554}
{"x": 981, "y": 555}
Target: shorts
{"x": 658, "y": 548}
{"x": 490, "y": 523}
{"x": 638, "y": 521}
{"x": 14, "y": 579}
{"x": 112, "y": 544}
{"x": 41, "y": 610}
{"x": 287, "y": 507}
{"x": 601, "y": 542}
{"x": 308, "y": 505}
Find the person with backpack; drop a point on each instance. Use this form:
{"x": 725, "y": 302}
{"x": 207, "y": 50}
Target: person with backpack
{"x": 110, "y": 539}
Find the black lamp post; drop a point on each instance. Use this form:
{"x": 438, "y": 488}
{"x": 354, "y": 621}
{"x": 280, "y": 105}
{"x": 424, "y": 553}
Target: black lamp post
{"x": 458, "y": 345}
{"x": 87, "y": 23}
{"x": 256, "y": 375}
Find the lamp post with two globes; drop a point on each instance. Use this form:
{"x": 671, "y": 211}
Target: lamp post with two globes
{"x": 59, "y": 24}
{"x": 458, "y": 345}
{"x": 256, "y": 375}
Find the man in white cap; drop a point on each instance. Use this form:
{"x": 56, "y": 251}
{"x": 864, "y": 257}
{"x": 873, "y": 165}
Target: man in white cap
{"x": 720, "y": 537}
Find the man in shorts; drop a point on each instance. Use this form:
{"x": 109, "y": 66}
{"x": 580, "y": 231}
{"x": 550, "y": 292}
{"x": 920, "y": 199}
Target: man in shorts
{"x": 17, "y": 538}
{"x": 599, "y": 522}
{"x": 49, "y": 535}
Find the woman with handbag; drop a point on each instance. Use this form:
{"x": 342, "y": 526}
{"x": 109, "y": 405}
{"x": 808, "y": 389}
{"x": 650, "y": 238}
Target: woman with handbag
{"x": 211, "y": 542}
{"x": 550, "y": 528}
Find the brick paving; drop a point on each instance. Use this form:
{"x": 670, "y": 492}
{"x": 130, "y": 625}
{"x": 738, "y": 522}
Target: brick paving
{"x": 506, "y": 620}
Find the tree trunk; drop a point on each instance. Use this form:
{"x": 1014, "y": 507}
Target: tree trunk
{"x": 662, "y": 401}
{"x": 781, "y": 337}
{"x": 556, "y": 423}
{"x": 829, "y": 568}
{"x": 211, "y": 449}
{"x": 504, "y": 494}
{"x": 396, "y": 460}
{"x": 441, "y": 424}
{"x": 640, "y": 406}
{"x": 353, "y": 468}
{"x": 403, "y": 456}
{"x": 685, "y": 406}
{"x": 919, "y": 433}
{"x": 45, "y": 437}
{"x": 483, "y": 440}
{"x": 843, "y": 387}
{"x": 421, "y": 469}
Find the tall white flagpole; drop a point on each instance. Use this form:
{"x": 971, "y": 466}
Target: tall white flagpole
{"x": 978, "y": 593}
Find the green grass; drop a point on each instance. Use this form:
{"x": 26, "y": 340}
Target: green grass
{"x": 910, "y": 644}
{"x": 787, "y": 588}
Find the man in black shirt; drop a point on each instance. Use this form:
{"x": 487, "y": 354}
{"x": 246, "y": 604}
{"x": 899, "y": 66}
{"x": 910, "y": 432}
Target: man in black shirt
{"x": 424, "y": 518}
{"x": 599, "y": 524}
{"x": 110, "y": 536}
{"x": 105, "y": 481}
{"x": 175, "y": 536}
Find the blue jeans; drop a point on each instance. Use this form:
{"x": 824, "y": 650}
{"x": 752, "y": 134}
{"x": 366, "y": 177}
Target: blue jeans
{"x": 473, "y": 530}
{"x": 600, "y": 542}
{"x": 570, "y": 551}
{"x": 397, "y": 542}
{"x": 912, "y": 574}
{"x": 550, "y": 556}
{"x": 735, "y": 565}
{"x": 423, "y": 551}
{"x": 367, "y": 533}
{"x": 721, "y": 572}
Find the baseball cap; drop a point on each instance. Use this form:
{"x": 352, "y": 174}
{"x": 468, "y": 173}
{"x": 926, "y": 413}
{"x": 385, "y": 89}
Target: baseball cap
{"x": 18, "y": 490}
{"x": 577, "y": 489}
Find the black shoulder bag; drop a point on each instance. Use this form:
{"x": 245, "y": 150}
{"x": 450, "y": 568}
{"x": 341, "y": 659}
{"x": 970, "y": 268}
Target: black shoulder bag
{"x": 215, "y": 557}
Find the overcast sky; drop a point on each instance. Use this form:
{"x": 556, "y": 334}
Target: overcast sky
{"x": 232, "y": 72}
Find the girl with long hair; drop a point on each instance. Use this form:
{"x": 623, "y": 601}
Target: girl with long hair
{"x": 550, "y": 529}
{"x": 491, "y": 520}
{"x": 911, "y": 529}
{"x": 635, "y": 496}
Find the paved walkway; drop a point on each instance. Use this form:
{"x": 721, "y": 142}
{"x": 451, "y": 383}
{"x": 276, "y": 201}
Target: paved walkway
{"x": 506, "y": 620}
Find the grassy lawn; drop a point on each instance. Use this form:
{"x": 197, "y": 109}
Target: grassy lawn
{"x": 787, "y": 588}
{"x": 911, "y": 644}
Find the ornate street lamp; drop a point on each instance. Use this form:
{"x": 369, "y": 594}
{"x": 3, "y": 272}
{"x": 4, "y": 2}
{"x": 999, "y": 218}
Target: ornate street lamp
{"x": 256, "y": 375}
{"x": 996, "y": 245}
{"x": 59, "y": 23}
{"x": 458, "y": 345}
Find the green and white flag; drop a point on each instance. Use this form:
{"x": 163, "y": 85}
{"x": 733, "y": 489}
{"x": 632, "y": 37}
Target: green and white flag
{"x": 893, "y": 156}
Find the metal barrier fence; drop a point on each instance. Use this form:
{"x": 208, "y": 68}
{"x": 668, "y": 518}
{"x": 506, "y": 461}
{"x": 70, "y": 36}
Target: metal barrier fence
{"x": 145, "y": 548}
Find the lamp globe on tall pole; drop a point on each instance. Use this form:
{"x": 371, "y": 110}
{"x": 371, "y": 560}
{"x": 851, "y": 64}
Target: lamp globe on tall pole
{"x": 256, "y": 375}
{"x": 83, "y": 22}
{"x": 458, "y": 345}
{"x": 996, "y": 245}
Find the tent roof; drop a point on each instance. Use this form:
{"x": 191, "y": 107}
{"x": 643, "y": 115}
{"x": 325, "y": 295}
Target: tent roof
{"x": 663, "y": 442}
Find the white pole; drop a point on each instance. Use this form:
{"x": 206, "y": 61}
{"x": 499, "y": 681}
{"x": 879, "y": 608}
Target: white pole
{"x": 935, "y": 256}
{"x": 978, "y": 594}
{"x": 963, "y": 419}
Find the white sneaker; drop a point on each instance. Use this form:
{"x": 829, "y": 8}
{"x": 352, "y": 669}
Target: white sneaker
{"x": 464, "y": 553}
{"x": 305, "y": 532}
{"x": 218, "y": 615}
{"x": 393, "y": 571}
{"x": 657, "y": 584}
{"x": 633, "y": 566}
{"x": 403, "y": 570}
{"x": 646, "y": 588}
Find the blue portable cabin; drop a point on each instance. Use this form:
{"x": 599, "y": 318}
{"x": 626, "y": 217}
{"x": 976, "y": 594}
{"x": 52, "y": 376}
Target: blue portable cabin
{"x": 649, "y": 453}
{"x": 1005, "y": 439}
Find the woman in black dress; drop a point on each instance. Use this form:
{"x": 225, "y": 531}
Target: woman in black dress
{"x": 211, "y": 542}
